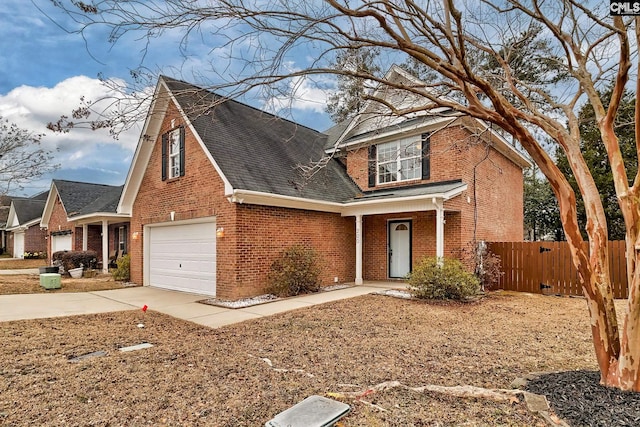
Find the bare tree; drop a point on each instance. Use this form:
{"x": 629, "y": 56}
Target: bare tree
{"x": 471, "y": 47}
{"x": 21, "y": 157}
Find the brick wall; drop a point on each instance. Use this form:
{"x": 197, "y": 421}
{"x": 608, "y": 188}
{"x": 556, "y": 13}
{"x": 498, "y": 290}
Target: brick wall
{"x": 494, "y": 196}
{"x": 423, "y": 239}
{"x": 57, "y": 223}
{"x": 264, "y": 232}
{"x": 35, "y": 239}
{"x": 254, "y": 235}
{"x": 198, "y": 194}
{"x": 10, "y": 244}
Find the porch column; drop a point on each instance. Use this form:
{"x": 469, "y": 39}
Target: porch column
{"x": 359, "y": 280}
{"x": 439, "y": 228}
{"x": 105, "y": 246}
{"x": 85, "y": 237}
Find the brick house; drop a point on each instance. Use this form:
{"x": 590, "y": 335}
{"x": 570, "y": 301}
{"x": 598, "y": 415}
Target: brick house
{"x": 23, "y": 226}
{"x": 218, "y": 189}
{"x": 82, "y": 216}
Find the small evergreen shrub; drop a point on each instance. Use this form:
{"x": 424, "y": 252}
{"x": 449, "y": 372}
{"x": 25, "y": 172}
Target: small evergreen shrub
{"x": 121, "y": 272}
{"x": 296, "y": 271}
{"x": 445, "y": 278}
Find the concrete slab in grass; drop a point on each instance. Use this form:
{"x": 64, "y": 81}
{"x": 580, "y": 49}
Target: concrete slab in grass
{"x": 277, "y": 307}
{"x": 193, "y": 310}
{"x": 150, "y": 296}
{"x": 225, "y": 318}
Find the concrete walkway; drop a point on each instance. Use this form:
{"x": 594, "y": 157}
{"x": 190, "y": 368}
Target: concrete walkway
{"x": 20, "y": 271}
{"x": 177, "y": 304}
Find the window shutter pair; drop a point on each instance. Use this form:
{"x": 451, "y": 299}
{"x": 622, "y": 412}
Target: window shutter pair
{"x": 426, "y": 160}
{"x": 165, "y": 153}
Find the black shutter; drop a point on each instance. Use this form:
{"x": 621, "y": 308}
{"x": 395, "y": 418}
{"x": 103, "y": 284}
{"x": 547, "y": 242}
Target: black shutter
{"x": 181, "y": 150}
{"x": 426, "y": 156}
{"x": 372, "y": 165}
{"x": 165, "y": 140}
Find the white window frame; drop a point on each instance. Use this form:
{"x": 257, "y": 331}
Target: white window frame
{"x": 122, "y": 239}
{"x": 173, "y": 162}
{"x": 401, "y": 160}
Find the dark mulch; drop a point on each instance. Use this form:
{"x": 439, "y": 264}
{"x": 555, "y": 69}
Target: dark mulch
{"x": 579, "y": 399}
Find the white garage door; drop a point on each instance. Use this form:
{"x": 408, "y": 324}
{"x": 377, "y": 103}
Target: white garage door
{"x": 183, "y": 257}
{"x": 61, "y": 242}
{"x": 18, "y": 245}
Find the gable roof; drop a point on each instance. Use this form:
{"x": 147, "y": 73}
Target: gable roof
{"x": 376, "y": 122}
{"x": 251, "y": 150}
{"x": 82, "y": 199}
{"x": 258, "y": 151}
{"x": 24, "y": 212}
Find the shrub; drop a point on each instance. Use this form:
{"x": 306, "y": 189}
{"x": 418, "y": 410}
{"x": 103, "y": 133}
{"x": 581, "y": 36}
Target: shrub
{"x": 488, "y": 269}
{"x": 445, "y": 278}
{"x": 121, "y": 272}
{"x": 34, "y": 255}
{"x": 74, "y": 259}
{"x": 295, "y": 272}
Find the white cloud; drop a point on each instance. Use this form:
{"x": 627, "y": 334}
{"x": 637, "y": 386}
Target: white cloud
{"x": 303, "y": 94}
{"x": 32, "y": 108}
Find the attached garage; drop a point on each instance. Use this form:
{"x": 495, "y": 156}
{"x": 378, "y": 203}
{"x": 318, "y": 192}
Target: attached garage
{"x": 182, "y": 257}
{"x": 18, "y": 244}
{"x": 61, "y": 242}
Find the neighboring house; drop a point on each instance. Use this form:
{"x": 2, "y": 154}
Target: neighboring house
{"x": 215, "y": 192}
{"x": 5, "y": 204}
{"x": 82, "y": 216}
{"x": 23, "y": 226}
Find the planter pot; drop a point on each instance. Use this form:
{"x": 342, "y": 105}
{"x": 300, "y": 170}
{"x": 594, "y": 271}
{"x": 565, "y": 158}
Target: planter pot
{"x": 44, "y": 270}
{"x": 76, "y": 273}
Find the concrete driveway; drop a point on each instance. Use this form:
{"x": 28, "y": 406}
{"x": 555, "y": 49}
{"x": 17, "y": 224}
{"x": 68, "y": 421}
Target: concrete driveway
{"x": 177, "y": 304}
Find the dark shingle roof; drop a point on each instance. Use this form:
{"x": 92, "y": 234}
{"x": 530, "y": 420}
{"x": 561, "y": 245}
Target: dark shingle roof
{"x": 261, "y": 152}
{"x": 28, "y": 209}
{"x": 82, "y": 198}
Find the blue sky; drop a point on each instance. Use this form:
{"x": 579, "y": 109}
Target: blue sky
{"x": 46, "y": 70}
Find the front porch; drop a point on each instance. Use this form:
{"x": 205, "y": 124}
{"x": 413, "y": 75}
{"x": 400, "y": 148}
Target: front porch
{"x": 397, "y": 227}
{"x": 108, "y": 236}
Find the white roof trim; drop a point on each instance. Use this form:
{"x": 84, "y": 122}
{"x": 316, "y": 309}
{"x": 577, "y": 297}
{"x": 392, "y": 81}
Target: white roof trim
{"x": 390, "y": 133}
{"x": 98, "y": 216}
{"x": 145, "y": 147}
{"x": 358, "y": 118}
{"x": 48, "y": 206}
{"x": 357, "y": 207}
{"x": 24, "y": 226}
{"x": 12, "y": 218}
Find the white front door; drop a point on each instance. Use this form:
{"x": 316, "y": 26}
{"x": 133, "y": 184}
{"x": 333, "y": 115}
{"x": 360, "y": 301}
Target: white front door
{"x": 399, "y": 249}
{"x": 18, "y": 244}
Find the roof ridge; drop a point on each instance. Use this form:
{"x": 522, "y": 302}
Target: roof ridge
{"x": 229, "y": 99}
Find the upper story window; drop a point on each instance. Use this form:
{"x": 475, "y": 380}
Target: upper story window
{"x": 173, "y": 153}
{"x": 402, "y": 160}
{"x": 399, "y": 160}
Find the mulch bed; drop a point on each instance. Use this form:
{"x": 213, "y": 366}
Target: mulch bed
{"x": 579, "y": 399}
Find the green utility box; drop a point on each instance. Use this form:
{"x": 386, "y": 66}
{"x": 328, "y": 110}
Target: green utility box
{"x": 50, "y": 280}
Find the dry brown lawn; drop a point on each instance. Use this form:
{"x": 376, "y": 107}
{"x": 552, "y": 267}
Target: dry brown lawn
{"x": 16, "y": 264}
{"x": 196, "y": 376}
{"x": 30, "y": 284}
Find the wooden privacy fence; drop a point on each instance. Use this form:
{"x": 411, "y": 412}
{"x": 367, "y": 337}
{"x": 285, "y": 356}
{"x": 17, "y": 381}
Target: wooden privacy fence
{"x": 546, "y": 267}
